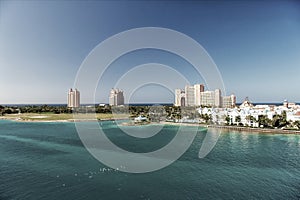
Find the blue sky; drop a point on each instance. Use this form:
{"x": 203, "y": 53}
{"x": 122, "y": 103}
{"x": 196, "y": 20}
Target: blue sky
{"x": 256, "y": 46}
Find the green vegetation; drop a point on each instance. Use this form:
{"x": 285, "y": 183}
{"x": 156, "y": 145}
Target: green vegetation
{"x": 153, "y": 114}
{"x": 297, "y": 124}
{"x": 54, "y": 113}
{"x": 207, "y": 118}
{"x": 238, "y": 120}
{"x": 49, "y": 113}
{"x": 56, "y": 117}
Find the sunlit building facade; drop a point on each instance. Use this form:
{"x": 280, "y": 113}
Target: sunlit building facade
{"x": 116, "y": 97}
{"x": 194, "y": 95}
{"x": 73, "y": 98}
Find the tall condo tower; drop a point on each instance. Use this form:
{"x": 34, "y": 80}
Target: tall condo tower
{"x": 73, "y": 98}
{"x": 116, "y": 97}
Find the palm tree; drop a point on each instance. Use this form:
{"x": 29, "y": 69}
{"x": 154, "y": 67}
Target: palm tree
{"x": 227, "y": 119}
{"x": 238, "y": 120}
{"x": 264, "y": 121}
{"x": 297, "y": 124}
{"x": 280, "y": 120}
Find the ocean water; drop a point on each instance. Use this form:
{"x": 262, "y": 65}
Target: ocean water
{"x": 48, "y": 161}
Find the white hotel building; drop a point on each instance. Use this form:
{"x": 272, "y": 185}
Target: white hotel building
{"x": 249, "y": 114}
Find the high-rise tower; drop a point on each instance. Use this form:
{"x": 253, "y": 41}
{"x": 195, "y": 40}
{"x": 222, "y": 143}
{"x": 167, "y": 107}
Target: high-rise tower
{"x": 116, "y": 97}
{"x": 73, "y": 98}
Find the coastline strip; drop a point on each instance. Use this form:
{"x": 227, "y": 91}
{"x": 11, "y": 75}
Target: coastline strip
{"x": 259, "y": 130}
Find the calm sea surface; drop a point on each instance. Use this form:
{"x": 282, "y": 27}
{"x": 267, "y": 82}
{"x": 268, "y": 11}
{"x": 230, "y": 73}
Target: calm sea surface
{"x": 48, "y": 161}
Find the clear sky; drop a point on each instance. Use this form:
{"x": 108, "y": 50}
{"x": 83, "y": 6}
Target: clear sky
{"x": 256, "y": 46}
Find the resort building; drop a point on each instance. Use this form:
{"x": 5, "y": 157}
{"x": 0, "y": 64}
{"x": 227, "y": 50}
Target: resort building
{"x": 229, "y": 101}
{"x": 198, "y": 89}
{"x": 194, "y": 95}
{"x": 189, "y": 95}
{"x": 140, "y": 119}
{"x": 116, "y": 97}
{"x": 248, "y": 115}
{"x": 207, "y": 98}
{"x": 211, "y": 98}
{"x": 73, "y": 98}
{"x": 246, "y": 104}
{"x": 179, "y": 97}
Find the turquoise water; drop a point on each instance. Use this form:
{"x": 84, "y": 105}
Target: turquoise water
{"x": 48, "y": 161}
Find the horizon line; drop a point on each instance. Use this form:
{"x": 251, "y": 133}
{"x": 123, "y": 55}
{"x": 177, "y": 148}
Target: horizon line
{"x": 130, "y": 103}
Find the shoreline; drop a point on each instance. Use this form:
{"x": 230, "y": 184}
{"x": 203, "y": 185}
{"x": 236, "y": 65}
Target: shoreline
{"x": 257, "y": 130}
{"x": 236, "y": 128}
{"x": 40, "y": 118}
{"x": 223, "y": 127}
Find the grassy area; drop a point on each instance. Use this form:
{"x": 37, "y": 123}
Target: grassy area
{"x": 58, "y": 117}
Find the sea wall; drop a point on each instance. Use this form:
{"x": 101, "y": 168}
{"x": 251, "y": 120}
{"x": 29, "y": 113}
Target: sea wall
{"x": 260, "y": 130}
